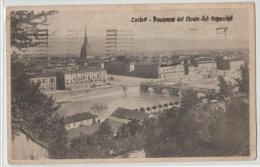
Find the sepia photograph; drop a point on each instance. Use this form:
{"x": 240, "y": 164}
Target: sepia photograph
{"x": 131, "y": 83}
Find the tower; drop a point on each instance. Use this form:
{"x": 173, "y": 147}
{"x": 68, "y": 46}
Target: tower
{"x": 85, "y": 48}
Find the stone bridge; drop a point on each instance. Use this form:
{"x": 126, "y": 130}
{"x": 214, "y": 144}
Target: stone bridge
{"x": 174, "y": 90}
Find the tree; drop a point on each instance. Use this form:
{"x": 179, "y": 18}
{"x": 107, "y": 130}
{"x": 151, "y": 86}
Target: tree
{"x": 19, "y": 86}
{"x": 130, "y": 137}
{"x": 58, "y": 138}
{"x": 36, "y": 112}
{"x": 188, "y": 100}
{"x": 30, "y": 108}
{"x": 134, "y": 127}
{"x": 123, "y": 131}
{"x": 25, "y": 27}
{"x": 230, "y": 135}
{"x": 225, "y": 89}
{"x": 243, "y": 82}
{"x": 86, "y": 146}
{"x": 104, "y": 137}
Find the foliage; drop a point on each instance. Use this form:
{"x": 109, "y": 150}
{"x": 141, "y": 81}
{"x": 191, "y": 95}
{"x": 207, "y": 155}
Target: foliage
{"x": 25, "y": 27}
{"x": 230, "y": 135}
{"x": 34, "y": 111}
{"x": 225, "y": 89}
{"x": 130, "y": 137}
{"x": 85, "y": 146}
{"x": 243, "y": 82}
{"x": 202, "y": 129}
{"x": 103, "y": 143}
{"x": 105, "y": 137}
{"x": 188, "y": 100}
{"x": 97, "y": 145}
{"x": 31, "y": 109}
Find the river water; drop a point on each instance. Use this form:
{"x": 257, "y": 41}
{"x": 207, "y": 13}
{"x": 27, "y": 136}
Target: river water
{"x": 112, "y": 100}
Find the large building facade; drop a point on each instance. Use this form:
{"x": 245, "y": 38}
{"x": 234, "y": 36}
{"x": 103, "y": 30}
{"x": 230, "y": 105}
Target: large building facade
{"x": 120, "y": 67}
{"x": 233, "y": 72}
{"x": 81, "y": 79}
{"x": 171, "y": 72}
{"x": 47, "y": 81}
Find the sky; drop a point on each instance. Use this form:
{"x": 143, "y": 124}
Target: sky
{"x": 148, "y": 36}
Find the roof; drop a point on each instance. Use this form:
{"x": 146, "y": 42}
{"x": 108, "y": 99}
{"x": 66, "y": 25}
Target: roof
{"x": 117, "y": 119}
{"x": 79, "y": 117}
{"x": 206, "y": 62}
{"x": 170, "y": 65}
{"x": 85, "y": 130}
{"x": 81, "y": 70}
{"x": 129, "y": 114}
{"x": 94, "y": 60}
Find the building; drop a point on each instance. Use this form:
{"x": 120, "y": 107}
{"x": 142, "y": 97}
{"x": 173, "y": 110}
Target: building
{"x": 82, "y": 130}
{"x": 80, "y": 119}
{"x": 236, "y": 64}
{"x": 207, "y": 69}
{"x": 194, "y": 73}
{"x": 84, "y": 78}
{"x": 129, "y": 114}
{"x": 119, "y": 42}
{"x": 95, "y": 63}
{"x": 147, "y": 70}
{"x": 233, "y": 71}
{"x": 120, "y": 67}
{"x": 47, "y": 81}
{"x": 171, "y": 72}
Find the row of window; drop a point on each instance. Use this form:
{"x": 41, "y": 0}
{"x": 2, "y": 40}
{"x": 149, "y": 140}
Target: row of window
{"x": 51, "y": 80}
{"x": 86, "y": 74}
{"x": 85, "y": 77}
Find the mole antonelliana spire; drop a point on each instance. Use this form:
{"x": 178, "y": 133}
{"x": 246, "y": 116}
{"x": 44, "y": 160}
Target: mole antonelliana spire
{"x": 84, "y": 47}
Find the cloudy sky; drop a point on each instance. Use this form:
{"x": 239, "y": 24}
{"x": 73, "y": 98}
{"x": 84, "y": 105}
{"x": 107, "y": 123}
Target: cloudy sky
{"x": 148, "y": 35}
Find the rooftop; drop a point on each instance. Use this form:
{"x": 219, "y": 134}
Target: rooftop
{"x": 84, "y": 130}
{"x": 129, "y": 114}
{"x": 79, "y": 117}
{"x": 83, "y": 70}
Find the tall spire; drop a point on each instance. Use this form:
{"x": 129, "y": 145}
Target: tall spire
{"x": 84, "y": 47}
{"x": 85, "y": 37}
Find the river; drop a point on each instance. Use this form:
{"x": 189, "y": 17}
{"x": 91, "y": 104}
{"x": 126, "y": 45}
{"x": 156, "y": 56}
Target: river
{"x": 112, "y": 100}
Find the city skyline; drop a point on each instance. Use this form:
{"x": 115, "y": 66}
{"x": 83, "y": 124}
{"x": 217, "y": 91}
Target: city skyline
{"x": 150, "y": 36}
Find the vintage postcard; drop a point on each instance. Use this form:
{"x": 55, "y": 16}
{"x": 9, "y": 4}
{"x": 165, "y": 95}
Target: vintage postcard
{"x": 130, "y": 83}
